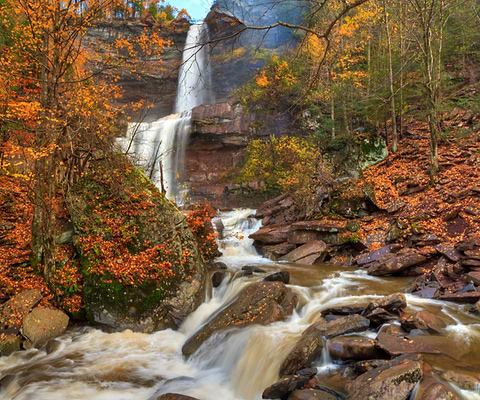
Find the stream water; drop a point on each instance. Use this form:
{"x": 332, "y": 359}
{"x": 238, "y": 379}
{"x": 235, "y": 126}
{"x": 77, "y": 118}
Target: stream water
{"x": 239, "y": 364}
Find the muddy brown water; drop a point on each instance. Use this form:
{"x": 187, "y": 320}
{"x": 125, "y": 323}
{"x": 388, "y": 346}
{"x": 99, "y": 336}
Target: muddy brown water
{"x": 89, "y": 364}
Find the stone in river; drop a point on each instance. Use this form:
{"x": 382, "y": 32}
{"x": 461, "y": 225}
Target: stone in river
{"x": 353, "y": 348}
{"x": 392, "y": 303}
{"x": 43, "y": 324}
{"x": 396, "y": 345}
{"x": 285, "y": 386}
{"x": 469, "y": 297}
{"x": 339, "y": 326}
{"x": 253, "y": 269}
{"x": 312, "y": 394}
{"x": 282, "y": 276}
{"x": 394, "y": 380}
{"x": 259, "y": 303}
{"x": 175, "y": 396}
{"x": 433, "y": 389}
{"x": 423, "y": 320}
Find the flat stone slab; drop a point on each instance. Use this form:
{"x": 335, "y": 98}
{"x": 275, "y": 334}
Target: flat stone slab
{"x": 462, "y": 298}
{"x": 396, "y": 345}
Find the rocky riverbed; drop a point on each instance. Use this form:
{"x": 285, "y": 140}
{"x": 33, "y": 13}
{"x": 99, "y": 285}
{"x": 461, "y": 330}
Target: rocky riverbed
{"x": 277, "y": 330}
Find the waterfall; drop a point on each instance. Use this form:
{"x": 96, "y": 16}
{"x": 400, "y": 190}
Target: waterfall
{"x": 160, "y": 146}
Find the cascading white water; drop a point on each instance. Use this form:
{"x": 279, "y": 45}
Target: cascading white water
{"x": 234, "y": 365}
{"x": 160, "y": 146}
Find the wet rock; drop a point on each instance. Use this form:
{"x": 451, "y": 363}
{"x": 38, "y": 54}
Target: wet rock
{"x": 396, "y": 345}
{"x": 218, "y": 265}
{"x": 217, "y": 278}
{"x": 9, "y": 344}
{"x": 14, "y": 310}
{"x": 465, "y": 382}
{"x": 312, "y": 394}
{"x": 305, "y": 352}
{"x": 259, "y": 303}
{"x": 393, "y": 329}
{"x": 285, "y": 386}
{"x": 425, "y": 321}
{"x": 353, "y": 348}
{"x": 433, "y": 389}
{"x": 274, "y": 252}
{"x": 43, "y": 324}
{"x": 364, "y": 366}
{"x": 391, "y": 264}
{"x": 52, "y": 346}
{"x": 469, "y": 297}
{"x": 175, "y": 396}
{"x": 393, "y": 303}
{"x": 339, "y": 326}
{"x": 392, "y": 381}
{"x": 253, "y": 269}
{"x": 379, "y": 316}
{"x": 309, "y": 253}
{"x": 282, "y": 276}
{"x": 474, "y": 277}
{"x": 273, "y": 234}
{"x": 476, "y": 308}
{"x": 343, "y": 310}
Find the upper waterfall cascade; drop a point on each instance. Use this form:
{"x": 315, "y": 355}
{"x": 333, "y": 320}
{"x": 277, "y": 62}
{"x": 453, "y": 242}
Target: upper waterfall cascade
{"x": 160, "y": 146}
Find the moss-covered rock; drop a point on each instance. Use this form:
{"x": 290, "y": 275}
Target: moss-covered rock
{"x": 141, "y": 266}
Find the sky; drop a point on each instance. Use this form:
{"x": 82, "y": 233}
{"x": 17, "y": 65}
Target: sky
{"x": 197, "y": 9}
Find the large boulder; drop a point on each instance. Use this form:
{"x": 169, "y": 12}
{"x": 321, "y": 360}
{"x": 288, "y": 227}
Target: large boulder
{"x": 259, "y": 303}
{"x": 393, "y": 381}
{"x": 140, "y": 262}
{"x": 43, "y": 324}
{"x": 309, "y": 253}
{"x": 339, "y": 326}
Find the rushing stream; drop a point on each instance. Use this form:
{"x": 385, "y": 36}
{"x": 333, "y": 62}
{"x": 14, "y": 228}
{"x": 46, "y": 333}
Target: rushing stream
{"x": 88, "y": 363}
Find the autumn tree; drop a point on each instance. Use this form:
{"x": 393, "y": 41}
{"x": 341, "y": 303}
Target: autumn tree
{"x": 60, "y": 116}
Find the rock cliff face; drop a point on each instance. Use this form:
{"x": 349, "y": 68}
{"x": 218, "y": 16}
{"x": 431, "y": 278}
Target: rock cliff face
{"x": 220, "y": 134}
{"x": 159, "y": 85}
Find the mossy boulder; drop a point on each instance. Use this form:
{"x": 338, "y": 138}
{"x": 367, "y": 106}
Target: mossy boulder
{"x": 141, "y": 266}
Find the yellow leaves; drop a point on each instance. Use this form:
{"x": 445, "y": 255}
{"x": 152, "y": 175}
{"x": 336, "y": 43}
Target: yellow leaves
{"x": 262, "y": 79}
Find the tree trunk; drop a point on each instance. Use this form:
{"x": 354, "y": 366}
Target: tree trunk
{"x": 390, "y": 77}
